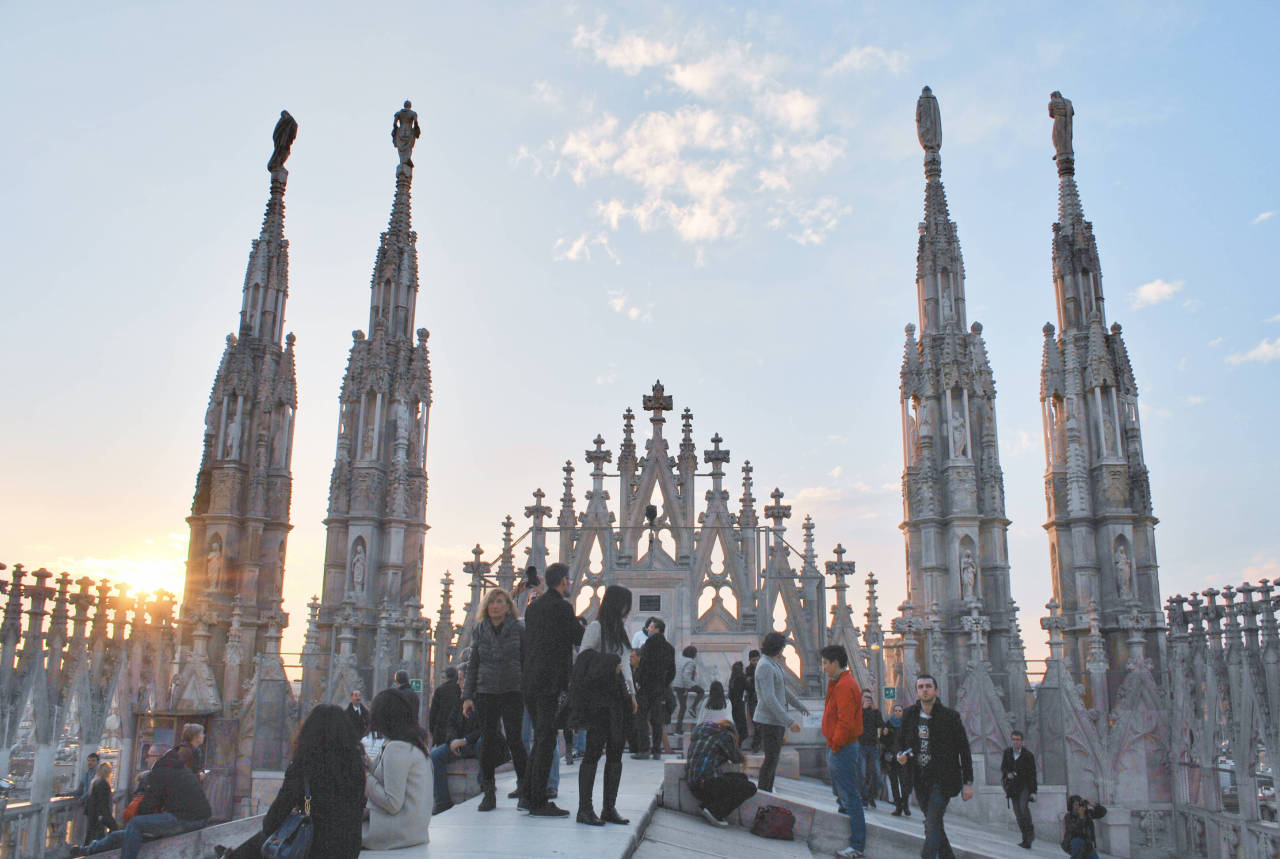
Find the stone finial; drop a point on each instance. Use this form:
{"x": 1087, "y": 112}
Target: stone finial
{"x": 658, "y": 402}
{"x": 286, "y": 131}
{"x": 928, "y": 121}
{"x": 777, "y": 511}
{"x": 1062, "y": 113}
{"x": 405, "y": 132}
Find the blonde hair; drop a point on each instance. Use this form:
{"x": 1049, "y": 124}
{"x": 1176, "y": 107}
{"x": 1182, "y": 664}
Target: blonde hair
{"x": 104, "y": 772}
{"x": 191, "y": 730}
{"x": 492, "y": 595}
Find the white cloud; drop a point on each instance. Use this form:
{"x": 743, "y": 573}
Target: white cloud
{"x": 1275, "y": 318}
{"x": 1264, "y": 216}
{"x": 815, "y": 222}
{"x": 1217, "y": 341}
{"x": 794, "y": 110}
{"x": 1017, "y": 444}
{"x": 816, "y": 155}
{"x": 578, "y": 249}
{"x": 1195, "y": 400}
{"x": 546, "y": 93}
{"x": 816, "y": 495}
{"x": 1153, "y": 293}
{"x": 866, "y": 58}
{"x": 1150, "y": 410}
{"x": 620, "y": 303}
{"x": 592, "y": 148}
{"x": 630, "y": 54}
{"x": 1192, "y": 304}
{"x": 1264, "y": 353}
{"x": 836, "y": 472}
{"x": 771, "y": 180}
{"x": 609, "y": 376}
{"x": 731, "y": 71}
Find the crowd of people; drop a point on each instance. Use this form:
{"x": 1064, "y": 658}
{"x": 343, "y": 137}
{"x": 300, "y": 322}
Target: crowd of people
{"x": 529, "y": 680}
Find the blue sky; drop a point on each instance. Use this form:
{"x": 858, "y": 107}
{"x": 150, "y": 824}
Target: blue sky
{"x": 721, "y": 196}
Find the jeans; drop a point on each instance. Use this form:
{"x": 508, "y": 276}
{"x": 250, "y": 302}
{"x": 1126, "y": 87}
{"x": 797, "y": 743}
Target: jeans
{"x": 1022, "y": 813}
{"x": 871, "y": 769}
{"x": 934, "y": 805}
{"x": 544, "y": 764}
{"x": 505, "y": 709}
{"x": 683, "y": 696}
{"x": 1080, "y": 849}
{"x": 771, "y": 738}
{"x": 845, "y": 768}
{"x": 129, "y": 839}
{"x": 722, "y": 794}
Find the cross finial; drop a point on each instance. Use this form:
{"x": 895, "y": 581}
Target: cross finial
{"x": 839, "y": 551}
{"x": 777, "y": 511}
{"x": 537, "y": 510}
{"x": 477, "y": 553}
{"x": 658, "y": 402}
{"x": 686, "y": 421}
{"x": 716, "y": 456}
{"x": 599, "y": 456}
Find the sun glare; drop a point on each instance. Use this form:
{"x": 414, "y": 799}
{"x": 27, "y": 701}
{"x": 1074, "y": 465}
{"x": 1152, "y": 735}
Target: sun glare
{"x": 150, "y": 566}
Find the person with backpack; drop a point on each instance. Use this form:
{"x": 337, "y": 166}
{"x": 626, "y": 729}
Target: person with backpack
{"x": 935, "y": 745}
{"x": 712, "y": 748}
{"x": 327, "y": 765}
{"x": 1078, "y": 836}
{"x": 842, "y": 726}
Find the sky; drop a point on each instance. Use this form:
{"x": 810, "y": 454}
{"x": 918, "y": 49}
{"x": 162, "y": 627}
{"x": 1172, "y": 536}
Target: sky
{"x": 720, "y": 196}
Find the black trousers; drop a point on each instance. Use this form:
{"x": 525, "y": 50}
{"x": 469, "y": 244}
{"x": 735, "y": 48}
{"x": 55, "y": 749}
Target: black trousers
{"x": 1022, "y": 813}
{"x": 899, "y": 782}
{"x": 771, "y": 738}
{"x": 601, "y": 739}
{"x": 682, "y": 695}
{"x": 724, "y": 793}
{"x": 542, "y": 713}
{"x": 739, "y": 710}
{"x": 505, "y": 709}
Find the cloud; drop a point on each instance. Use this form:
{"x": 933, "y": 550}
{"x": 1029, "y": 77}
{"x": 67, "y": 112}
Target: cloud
{"x": 1261, "y": 567}
{"x": 815, "y": 222}
{"x": 816, "y": 495}
{"x": 1018, "y": 444}
{"x": 1217, "y": 341}
{"x": 1194, "y": 400}
{"x": 1150, "y": 410}
{"x": 546, "y": 93}
{"x": 729, "y": 72}
{"x": 1266, "y": 216}
{"x": 836, "y": 472}
{"x": 1275, "y": 318}
{"x": 868, "y": 58}
{"x": 1153, "y": 293}
{"x": 1192, "y": 304}
{"x": 579, "y": 249}
{"x": 609, "y": 376}
{"x": 630, "y": 54}
{"x": 592, "y": 148}
{"x": 771, "y": 180}
{"x": 619, "y": 303}
{"x": 1264, "y": 353}
{"x": 794, "y": 110}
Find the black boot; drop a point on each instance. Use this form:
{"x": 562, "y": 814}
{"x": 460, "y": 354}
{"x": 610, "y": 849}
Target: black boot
{"x": 588, "y": 816}
{"x": 490, "y": 801}
{"x": 612, "y": 780}
{"x": 610, "y": 815}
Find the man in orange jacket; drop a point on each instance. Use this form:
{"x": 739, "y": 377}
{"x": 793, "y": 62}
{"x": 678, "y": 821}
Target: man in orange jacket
{"x": 842, "y": 726}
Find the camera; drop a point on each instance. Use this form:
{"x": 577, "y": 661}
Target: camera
{"x": 531, "y": 577}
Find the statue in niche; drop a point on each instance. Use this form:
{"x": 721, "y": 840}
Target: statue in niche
{"x": 968, "y": 575}
{"x": 213, "y": 564}
{"x": 926, "y": 420}
{"x": 1108, "y": 434}
{"x": 928, "y": 121}
{"x": 367, "y": 445}
{"x": 405, "y": 132}
{"x": 358, "y": 569}
{"x": 913, "y": 435}
{"x": 1124, "y": 573}
{"x": 231, "y": 444}
{"x": 285, "y": 133}
{"x": 1062, "y": 112}
{"x": 959, "y": 435}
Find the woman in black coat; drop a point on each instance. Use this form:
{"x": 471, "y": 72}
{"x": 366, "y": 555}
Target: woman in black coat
{"x": 328, "y": 756}
{"x": 98, "y": 806}
{"x": 738, "y": 700}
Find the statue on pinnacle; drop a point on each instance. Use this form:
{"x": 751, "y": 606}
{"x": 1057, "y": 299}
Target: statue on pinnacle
{"x": 928, "y": 121}
{"x": 405, "y": 133}
{"x": 285, "y": 133}
{"x": 1062, "y": 112}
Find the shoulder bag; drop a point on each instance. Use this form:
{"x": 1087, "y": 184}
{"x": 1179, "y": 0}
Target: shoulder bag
{"x": 292, "y": 840}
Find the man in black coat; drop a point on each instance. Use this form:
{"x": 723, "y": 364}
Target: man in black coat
{"x": 358, "y": 713}
{"x": 174, "y": 803}
{"x": 936, "y": 749}
{"x": 653, "y": 676}
{"x": 1018, "y": 776}
{"x": 446, "y": 698}
{"x": 551, "y": 633}
{"x": 405, "y": 688}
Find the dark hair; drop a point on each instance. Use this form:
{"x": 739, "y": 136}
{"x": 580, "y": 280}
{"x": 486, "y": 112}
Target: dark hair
{"x": 658, "y": 622}
{"x": 689, "y": 651}
{"x": 737, "y": 670}
{"x": 555, "y": 574}
{"x": 1072, "y": 801}
{"x": 451, "y": 673}
{"x": 613, "y": 608}
{"x": 327, "y": 747}
{"x": 93, "y": 755}
{"x": 393, "y": 718}
{"x": 752, "y": 655}
{"x": 531, "y": 576}
{"x": 929, "y": 677}
{"x": 773, "y": 643}
{"x": 715, "y": 696}
{"x": 402, "y": 677}
{"x": 1017, "y": 734}
{"x": 835, "y": 653}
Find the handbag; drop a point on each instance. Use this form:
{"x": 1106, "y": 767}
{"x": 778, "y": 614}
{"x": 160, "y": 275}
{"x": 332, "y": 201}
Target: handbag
{"x": 292, "y": 840}
{"x": 774, "y": 821}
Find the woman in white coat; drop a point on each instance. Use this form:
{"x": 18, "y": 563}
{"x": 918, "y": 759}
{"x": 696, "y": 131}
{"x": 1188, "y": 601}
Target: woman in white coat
{"x": 398, "y": 785}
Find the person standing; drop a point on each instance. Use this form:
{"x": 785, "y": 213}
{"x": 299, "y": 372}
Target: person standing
{"x": 712, "y": 748}
{"x": 872, "y": 731}
{"x": 86, "y": 783}
{"x": 933, "y": 740}
{"x": 98, "y": 806}
{"x": 738, "y": 700}
{"x": 653, "y": 677}
{"x": 358, "y": 713}
{"x": 772, "y": 698}
{"x": 493, "y": 679}
{"x": 686, "y": 682}
{"x": 405, "y": 688}
{"x": 899, "y": 784}
{"x": 551, "y": 633}
{"x": 1018, "y": 776}
{"x": 753, "y": 659}
{"x": 607, "y": 726}
{"x": 445, "y": 700}
{"x": 841, "y": 726}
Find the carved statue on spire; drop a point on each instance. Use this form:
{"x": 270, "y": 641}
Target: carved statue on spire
{"x": 284, "y": 135}
{"x": 928, "y": 121}
{"x": 405, "y": 132}
{"x": 1061, "y": 110}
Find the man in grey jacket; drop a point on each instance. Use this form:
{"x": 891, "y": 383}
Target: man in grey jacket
{"x": 772, "y": 698}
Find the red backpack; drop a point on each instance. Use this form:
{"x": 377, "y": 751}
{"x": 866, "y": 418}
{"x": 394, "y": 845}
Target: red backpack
{"x": 774, "y": 821}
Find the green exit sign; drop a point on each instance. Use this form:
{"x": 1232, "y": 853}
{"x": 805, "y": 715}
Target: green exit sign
{"x": 890, "y": 693}
{"x": 416, "y": 684}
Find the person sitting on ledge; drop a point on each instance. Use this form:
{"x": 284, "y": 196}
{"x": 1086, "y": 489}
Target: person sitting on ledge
{"x": 172, "y": 786}
{"x": 328, "y": 761}
{"x": 458, "y": 739}
{"x": 399, "y": 781}
{"x": 714, "y": 746}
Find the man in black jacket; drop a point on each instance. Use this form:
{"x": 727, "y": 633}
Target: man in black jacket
{"x": 654, "y": 674}
{"x": 405, "y": 688}
{"x": 446, "y": 698}
{"x": 551, "y": 633}
{"x": 1018, "y": 776}
{"x": 936, "y": 749}
{"x": 173, "y": 787}
{"x": 358, "y": 713}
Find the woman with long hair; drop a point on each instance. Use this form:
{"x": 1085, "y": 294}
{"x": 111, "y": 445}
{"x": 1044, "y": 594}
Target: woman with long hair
{"x": 607, "y": 725}
{"x": 398, "y": 785}
{"x": 98, "y": 806}
{"x": 493, "y": 688}
{"x": 717, "y": 709}
{"x": 328, "y": 761}
{"x": 738, "y": 700}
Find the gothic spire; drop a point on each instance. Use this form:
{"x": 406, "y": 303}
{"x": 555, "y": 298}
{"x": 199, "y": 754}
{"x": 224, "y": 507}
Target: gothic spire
{"x": 394, "y": 290}
{"x": 939, "y": 265}
{"x": 1076, "y": 272}
{"x": 266, "y": 279}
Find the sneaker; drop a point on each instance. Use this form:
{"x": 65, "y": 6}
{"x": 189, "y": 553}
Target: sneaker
{"x": 850, "y": 853}
{"x": 712, "y": 819}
